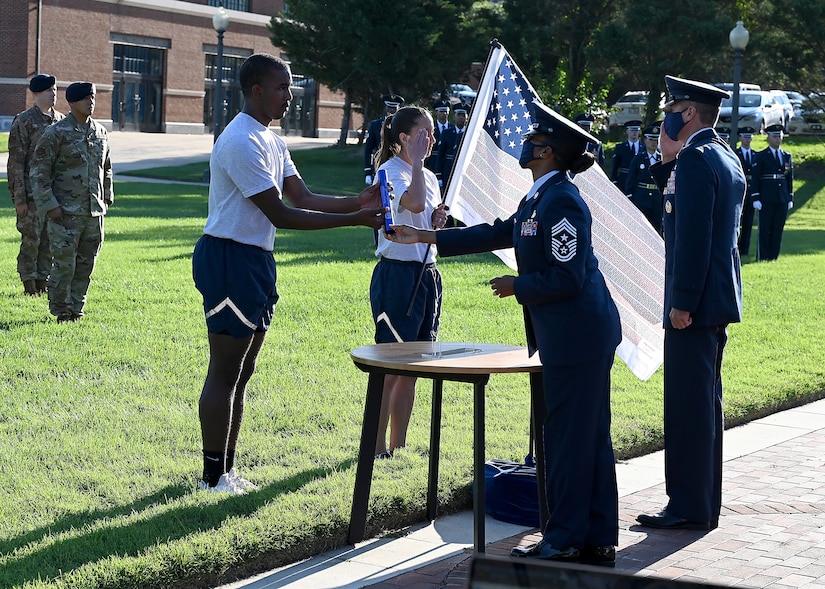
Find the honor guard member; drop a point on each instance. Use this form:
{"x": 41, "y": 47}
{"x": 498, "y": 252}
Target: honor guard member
{"x": 703, "y": 187}
{"x": 34, "y": 260}
{"x": 442, "y": 123}
{"x": 641, "y": 189}
{"x": 392, "y": 102}
{"x": 747, "y": 157}
{"x": 772, "y": 193}
{"x": 585, "y": 121}
{"x": 450, "y": 141}
{"x": 572, "y": 321}
{"x": 624, "y": 153}
{"x": 72, "y": 184}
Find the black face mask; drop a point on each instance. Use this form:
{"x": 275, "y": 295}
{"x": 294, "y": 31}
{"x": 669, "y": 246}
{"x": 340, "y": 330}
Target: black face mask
{"x": 527, "y": 153}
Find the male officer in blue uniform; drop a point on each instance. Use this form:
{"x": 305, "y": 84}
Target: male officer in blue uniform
{"x": 772, "y": 193}
{"x": 640, "y": 188}
{"x": 392, "y": 102}
{"x": 442, "y": 123}
{"x": 450, "y": 140}
{"x": 747, "y": 157}
{"x": 703, "y": 187}
{"x": 624, "y": 153}
{"x": 585, "y": 121}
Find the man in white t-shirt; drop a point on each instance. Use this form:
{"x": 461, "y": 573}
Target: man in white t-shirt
{"x": 251, "y": 177}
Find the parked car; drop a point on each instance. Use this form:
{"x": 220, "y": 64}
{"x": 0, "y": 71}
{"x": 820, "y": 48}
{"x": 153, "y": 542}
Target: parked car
{"x": 456, "y": 93}
{"x": 756, "y": 109}
{"x": 796, "y": 99}
{"x": 787, "y": 106}
{"x": 743, "y": 87}
{"x": 630, "y": 107}
{"x": 811, "y": 117}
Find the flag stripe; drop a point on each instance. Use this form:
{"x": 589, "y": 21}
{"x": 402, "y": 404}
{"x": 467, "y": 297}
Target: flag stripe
{"x": 487, "y": 183}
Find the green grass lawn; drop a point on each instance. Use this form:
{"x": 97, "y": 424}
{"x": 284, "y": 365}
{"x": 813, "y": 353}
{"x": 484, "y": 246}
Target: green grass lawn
{"x": 99, "y": 436}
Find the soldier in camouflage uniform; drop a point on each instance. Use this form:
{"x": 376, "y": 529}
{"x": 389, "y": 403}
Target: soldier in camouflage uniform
{"x": 33, "y": 261}
{"x": 72, "y": 183}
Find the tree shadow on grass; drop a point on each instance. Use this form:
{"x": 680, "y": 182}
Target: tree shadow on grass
{"x": 113, "y": 538}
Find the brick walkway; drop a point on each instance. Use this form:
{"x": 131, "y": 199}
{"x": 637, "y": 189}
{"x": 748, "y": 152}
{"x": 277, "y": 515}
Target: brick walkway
{"x": 771, "y": 533}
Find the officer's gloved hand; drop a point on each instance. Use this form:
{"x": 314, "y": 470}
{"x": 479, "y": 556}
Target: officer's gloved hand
{"x": 757, "y": 205}
{"x": 790, "y": 205}
{"x": 368, "y": 180}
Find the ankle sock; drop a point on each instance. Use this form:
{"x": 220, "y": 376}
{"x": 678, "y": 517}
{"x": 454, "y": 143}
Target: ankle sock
{"x": 213, "y": 467}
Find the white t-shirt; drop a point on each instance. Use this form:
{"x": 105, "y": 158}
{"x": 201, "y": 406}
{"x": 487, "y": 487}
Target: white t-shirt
{"x": 246, "y": 160}
{"x": 399, "y": 174}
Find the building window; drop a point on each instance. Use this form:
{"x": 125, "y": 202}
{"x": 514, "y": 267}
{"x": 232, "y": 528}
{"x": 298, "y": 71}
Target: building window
{"x": 240, "y": 5}
{"x": 129, "y": 59}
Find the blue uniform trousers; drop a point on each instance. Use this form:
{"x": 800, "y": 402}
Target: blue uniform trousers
{"x": 771, "y": 224}
{"x": 583, "y": 503}
{"x": 694, "y": 421}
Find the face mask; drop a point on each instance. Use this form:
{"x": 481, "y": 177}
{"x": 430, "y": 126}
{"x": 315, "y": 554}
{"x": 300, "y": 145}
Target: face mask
{"x": 527, "y": 154}
{"x": 673, "y": 124}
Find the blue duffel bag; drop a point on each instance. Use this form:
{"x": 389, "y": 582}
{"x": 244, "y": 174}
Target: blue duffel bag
{"x": 512, "y": 491}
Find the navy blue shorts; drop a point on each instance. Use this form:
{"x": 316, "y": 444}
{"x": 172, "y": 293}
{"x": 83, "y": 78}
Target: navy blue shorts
{"x": 391, "y": 290}
{"x": 237, "y": 282}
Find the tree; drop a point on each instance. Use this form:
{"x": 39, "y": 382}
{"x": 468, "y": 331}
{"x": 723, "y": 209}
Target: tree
{"x": 549, "y": 38}
{"x": 647, "y": 41}
{"x": 365, "y": 49}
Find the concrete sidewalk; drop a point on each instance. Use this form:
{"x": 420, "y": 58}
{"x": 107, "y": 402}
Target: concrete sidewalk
{"x": 771, "y": 533}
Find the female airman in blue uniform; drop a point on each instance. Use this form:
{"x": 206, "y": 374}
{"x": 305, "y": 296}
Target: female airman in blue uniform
{"x": 571, "y": 320}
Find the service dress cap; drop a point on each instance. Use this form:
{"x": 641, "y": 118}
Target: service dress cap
{"x": 442, "y": 105}
{"x": 585, "y": 120}
{"x": 461, "y": 107}
{"x": 633, "y": 125}
{"x": 393, "y": 100}
{"x": 682, "y": 89}
{"x": 79, "y": 91}
{"x": 547, "y": 121}
{"x": 774, "y": 130}
{"x": 746, "y": 132}
{"x": 651, "y": 132}
{"x": 41, "y": 82}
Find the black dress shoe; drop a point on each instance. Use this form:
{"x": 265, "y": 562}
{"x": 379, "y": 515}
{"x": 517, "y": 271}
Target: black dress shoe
{"x": 599, "y": 555}
{"x": 667, "y": 521}
{"x": 544, "y": 551}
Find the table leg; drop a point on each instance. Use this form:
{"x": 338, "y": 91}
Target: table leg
{"x": 538, "y": 409}
{"x": 479, "y": 491}
{"x": 435, "y": 450}
{"x": 366, "y": 458}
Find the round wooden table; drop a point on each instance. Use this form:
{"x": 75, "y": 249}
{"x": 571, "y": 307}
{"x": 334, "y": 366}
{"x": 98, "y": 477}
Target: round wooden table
{"x": 440, "y": 361}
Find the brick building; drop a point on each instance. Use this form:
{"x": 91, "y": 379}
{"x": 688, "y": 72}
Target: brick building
{"x": 153, "y": 61}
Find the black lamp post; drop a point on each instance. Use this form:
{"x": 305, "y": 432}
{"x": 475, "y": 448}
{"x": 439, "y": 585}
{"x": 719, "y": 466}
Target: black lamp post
{"x": 739, "y": 38}
{"x": 220, "y": 21}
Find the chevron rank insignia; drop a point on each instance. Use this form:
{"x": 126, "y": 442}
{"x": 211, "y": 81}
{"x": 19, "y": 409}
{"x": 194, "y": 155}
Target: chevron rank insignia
{"x": 563, "y": 241}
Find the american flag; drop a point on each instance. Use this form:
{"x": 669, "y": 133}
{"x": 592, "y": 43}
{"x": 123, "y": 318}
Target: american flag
{"x": 487, "y": 183}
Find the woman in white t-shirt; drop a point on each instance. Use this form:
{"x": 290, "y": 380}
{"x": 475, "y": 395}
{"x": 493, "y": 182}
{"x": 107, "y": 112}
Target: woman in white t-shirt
{"x": 405, "y": 292}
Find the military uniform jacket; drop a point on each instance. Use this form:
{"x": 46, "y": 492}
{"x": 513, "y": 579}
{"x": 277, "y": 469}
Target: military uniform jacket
{"x": 747, "y": 167}
{"x": 432, "y": 161}
{"x": 26, "y": 129}
{"x": 623, "y": 154}
{"x": 72, "y": 169}
{"x": 569, "y": 314}
{"x": 772, "y": 182}
{"x": 450, "y": 140}
{"x": 703, "y": 190}
{"x": 371, "y": 145}
{"x": 640, "y": 186}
